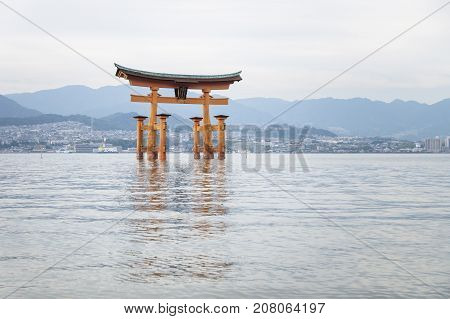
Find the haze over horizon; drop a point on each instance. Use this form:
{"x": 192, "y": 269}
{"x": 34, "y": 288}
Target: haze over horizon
{"x": 217, "y": 93}
{"x": 358, "y": 116}
{"x": 285, "y": 51}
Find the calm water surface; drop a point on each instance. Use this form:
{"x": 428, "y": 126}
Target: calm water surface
{"x": 373, "y": 226}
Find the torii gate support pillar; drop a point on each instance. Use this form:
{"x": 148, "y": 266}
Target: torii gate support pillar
{"x": 162, "y": 126}
{"x": 196, "y": 136}
{"x": 140, "y": 136}
{"x": 221, "y": 136}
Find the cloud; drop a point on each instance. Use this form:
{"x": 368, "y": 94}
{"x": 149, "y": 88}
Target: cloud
{"x": 285, "y": 48}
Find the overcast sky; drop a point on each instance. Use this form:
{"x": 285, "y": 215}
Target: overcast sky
{"x": 285, "y": 49}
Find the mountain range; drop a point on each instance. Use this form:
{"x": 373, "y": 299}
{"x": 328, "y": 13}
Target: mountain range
{"x": 116, "y": 121}
{"x": 357, "y": 116}
{"x": 10, "y": 108}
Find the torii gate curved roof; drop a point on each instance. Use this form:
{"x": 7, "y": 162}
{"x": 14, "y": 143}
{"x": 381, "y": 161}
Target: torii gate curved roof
{"x": 146, "y": 78}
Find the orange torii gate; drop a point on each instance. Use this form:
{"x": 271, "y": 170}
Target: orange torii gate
{"x": 180, "y": 83}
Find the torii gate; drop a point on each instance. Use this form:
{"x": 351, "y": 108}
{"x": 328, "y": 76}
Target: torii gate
{"x": 180, "y": 83}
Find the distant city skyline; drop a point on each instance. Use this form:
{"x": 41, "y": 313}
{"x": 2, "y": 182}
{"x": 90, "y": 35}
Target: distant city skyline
{"x": 285, "y": 50}
{"x": 75, "y": 137}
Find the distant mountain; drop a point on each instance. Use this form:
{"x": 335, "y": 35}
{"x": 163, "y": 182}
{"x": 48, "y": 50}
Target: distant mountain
{"x": 358, "y": 116}
{"x": 363, "y": 117}
{"x": 112, "y": 99}
{"x": 270, "y": 106}
{"x": 312, "y": 131}
{"x": 78, "y": 99}
{"x": 117, "y": 121}
{"x": 54, "y": 118}
{"x": 10, "y": 108}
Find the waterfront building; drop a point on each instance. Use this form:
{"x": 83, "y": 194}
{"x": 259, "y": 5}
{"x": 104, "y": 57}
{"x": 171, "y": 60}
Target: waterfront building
{"x": 39, "y": 148}
{"x": 433, "y": 145}
{"x": 84, "y": 148}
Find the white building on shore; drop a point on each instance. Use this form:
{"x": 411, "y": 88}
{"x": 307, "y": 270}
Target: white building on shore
{"x": 437, "y": 144}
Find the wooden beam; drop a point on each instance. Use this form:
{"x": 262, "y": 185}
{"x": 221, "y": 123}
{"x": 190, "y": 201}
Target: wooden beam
{"x": 174, "y": 100}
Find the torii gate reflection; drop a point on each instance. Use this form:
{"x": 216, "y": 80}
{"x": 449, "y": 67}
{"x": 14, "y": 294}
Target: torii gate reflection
{"x": 158, "y": 187}
{"x": 176, "y": 206}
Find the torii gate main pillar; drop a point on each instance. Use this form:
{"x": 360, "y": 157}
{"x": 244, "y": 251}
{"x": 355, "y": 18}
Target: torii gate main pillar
{"x": 152, "y": 153}
{"x": 208, "y": 148}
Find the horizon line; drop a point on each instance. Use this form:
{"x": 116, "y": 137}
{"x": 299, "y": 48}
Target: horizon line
{"x": 237, "y": 98}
